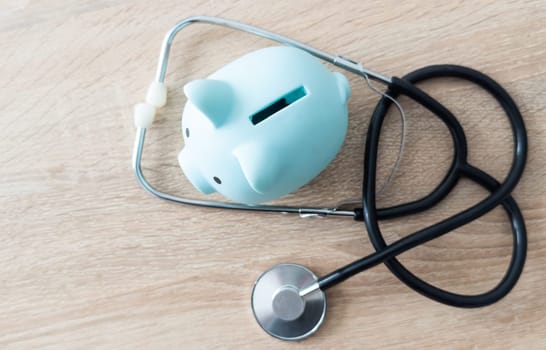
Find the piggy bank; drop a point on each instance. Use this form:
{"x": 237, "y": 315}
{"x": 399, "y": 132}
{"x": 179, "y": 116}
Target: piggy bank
{"x": 263, "y": 125}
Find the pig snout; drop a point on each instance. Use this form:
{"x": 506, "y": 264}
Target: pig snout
{"x": 189, "y": 166}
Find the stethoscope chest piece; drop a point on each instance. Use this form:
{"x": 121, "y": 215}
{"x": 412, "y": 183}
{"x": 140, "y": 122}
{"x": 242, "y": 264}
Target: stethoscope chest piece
{"x": 282, "y": 305}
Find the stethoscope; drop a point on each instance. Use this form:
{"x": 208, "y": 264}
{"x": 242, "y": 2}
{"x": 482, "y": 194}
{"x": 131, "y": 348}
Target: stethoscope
{"x": 288, "y": 300}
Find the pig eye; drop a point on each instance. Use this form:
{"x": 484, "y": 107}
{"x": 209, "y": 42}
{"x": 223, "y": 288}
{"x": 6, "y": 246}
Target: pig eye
{"x": 187, "y": 132}
{"x": 217, "y": 180}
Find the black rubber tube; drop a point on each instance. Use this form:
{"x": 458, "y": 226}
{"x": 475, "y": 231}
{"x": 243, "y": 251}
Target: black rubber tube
{"x": 499, "y": 192}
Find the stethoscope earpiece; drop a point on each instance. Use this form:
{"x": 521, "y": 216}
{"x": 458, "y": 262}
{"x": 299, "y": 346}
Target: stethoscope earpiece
{"x": 287, "y": 302}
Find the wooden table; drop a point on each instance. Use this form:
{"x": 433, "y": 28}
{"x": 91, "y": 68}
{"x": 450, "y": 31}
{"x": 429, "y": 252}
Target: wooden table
{"x": 89, "y": 260}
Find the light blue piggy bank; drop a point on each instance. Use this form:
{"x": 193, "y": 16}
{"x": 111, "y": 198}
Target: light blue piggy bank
{"x": 263, "y": 125}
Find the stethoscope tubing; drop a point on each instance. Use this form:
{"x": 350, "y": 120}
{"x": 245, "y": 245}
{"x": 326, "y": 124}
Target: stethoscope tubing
{"x": 499, "y": 192}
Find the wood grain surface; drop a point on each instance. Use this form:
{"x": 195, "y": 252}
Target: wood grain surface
{"x": 88, "y": 260}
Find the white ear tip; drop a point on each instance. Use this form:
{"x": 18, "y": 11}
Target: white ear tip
{"x": 157, "y": 94}
{"x": 144, "y": 115}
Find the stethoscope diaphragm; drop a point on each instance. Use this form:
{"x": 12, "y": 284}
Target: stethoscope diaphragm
{"x": 282, "y": 306}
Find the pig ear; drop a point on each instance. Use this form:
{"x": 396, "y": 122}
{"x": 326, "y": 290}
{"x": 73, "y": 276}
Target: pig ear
{"x": 343, "y": 87}
{"x": 214, "y": 98}
{"x": 261, "y": 165}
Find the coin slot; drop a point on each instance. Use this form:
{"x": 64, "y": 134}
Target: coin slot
{"x": 278, "y": 105}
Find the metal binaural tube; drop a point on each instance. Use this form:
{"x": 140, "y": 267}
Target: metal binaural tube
{"x": 339, "y": 61}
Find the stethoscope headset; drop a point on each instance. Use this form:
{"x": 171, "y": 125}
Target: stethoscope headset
{"x": 288, "y": 300}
